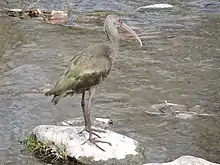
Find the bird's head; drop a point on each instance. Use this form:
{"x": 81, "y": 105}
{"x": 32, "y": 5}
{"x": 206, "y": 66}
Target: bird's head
{"x": 112, "y": 22}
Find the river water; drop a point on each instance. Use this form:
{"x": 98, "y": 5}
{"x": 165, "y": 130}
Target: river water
{"x": 179, "y": 62}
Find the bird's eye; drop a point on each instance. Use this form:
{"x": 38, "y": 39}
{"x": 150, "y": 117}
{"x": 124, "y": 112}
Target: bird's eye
{"x": 120, "y": 21}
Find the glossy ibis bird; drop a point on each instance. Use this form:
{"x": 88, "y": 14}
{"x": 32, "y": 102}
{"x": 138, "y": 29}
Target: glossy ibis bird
{"x": 88, "y": 69}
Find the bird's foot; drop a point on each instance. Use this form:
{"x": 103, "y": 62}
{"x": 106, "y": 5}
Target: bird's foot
{"x": 98, "y": 130}
{"x": 94, "y": 141}
{"x": 93, "y": 131}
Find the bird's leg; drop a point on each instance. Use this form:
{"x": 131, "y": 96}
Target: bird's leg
{"x": 88, "y": 113}
{"x": 85, "y": 116}
{"x": 84, "y": 111}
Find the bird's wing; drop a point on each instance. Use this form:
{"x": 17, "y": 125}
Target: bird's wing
{"x": 86, "y": 69}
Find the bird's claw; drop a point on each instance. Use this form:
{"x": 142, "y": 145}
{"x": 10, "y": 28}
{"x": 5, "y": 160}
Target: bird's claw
{"x": 93, "y": 131}
{"x": 94, "y": 141}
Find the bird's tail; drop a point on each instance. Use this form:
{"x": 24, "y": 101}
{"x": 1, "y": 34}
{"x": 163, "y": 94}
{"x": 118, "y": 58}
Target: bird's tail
{"x": 62, "y": 88}
{"x": 56, "y": 98}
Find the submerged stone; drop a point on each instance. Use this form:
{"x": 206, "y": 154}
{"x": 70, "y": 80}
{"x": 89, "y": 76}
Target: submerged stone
{"x": 186, "y": 160}
{"x": 69, "y": 143}
{"x": 155, "y": 6}
{"x": 178, "y": 111}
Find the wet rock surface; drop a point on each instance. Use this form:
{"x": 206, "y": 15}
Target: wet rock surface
{"x": 186, "y": 160}
{"x": 178, "y": 111}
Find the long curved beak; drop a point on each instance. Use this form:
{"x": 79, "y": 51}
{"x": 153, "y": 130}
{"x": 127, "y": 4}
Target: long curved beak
{"x": 126, "y": 27}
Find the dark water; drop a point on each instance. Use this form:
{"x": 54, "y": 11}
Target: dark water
{"x": 179, "y": 62}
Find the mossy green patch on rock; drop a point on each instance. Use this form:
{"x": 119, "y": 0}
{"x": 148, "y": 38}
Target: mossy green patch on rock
{"x": 48, "y": 152}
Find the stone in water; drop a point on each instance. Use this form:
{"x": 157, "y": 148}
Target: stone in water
{"x": 155, "y": 6}
{"x": 68, "y": 137}
{"x": 186, "y": 160}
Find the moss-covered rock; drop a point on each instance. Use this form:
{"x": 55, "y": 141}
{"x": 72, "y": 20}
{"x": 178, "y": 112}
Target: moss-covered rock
{"x": 63, "y": 145}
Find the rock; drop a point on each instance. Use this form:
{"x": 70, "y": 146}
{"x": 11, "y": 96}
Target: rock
{"x": 184, "y": 116}
{"x": 166, "y": 109}
{"x": 14, "y": 12}
{"x": 124, "y": 150}
{"x": 58, "y": 17}
{"x": 186, "y": 160}
{"x": 105, "y": 121}
{"x": 155, "y": 6}
{"x": 178, "y": 111}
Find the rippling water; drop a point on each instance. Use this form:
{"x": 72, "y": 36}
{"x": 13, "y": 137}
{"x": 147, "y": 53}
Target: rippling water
{"x": 179, "y": 62}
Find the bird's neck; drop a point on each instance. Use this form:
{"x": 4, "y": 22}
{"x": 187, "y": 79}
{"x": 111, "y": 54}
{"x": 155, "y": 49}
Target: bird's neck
{"x": 113, "y": 37}
{"x": 115, "y": 46}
